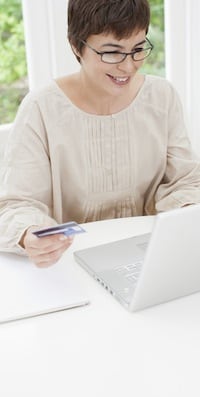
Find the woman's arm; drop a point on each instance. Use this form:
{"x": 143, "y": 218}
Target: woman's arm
{"x": 181, "y": 183}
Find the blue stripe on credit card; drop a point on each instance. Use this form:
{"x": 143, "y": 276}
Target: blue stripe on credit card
{"x": 68, "y": 229}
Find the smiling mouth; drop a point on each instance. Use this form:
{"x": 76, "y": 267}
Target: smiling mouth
{"x": 119, "y": 80}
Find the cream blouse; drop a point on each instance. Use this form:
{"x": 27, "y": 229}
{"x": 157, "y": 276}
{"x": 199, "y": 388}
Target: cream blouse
{"x": 63, "y": 164}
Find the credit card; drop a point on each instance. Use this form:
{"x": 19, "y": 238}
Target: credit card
{"x": 68, "y": 229}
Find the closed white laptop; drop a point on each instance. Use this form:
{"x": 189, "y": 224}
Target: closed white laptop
{"x": 149, "y": 269}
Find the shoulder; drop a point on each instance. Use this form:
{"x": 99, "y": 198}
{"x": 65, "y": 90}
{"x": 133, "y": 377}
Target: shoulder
{"x": 159, "y": 92}
{"x": 37, "y": 108}
{"x": 160, "y": 85}
{"x": 37, "y": 96}
{"x": 45, "y": 102}
{"x": 55, "y": 91}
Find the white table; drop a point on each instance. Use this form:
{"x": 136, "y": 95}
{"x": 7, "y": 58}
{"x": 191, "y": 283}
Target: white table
{"x": 103, "y": 350}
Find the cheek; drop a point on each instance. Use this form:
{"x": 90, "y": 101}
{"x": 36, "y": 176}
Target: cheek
{"x": 97, "y": 69}
{"x": 139, "y": 64}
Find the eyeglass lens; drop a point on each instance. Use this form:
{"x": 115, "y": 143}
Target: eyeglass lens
{"x": 138, "y": 55}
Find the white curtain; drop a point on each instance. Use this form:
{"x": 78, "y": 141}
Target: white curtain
{"x": 48, "y": 52}
{"x": 182, "y": 32}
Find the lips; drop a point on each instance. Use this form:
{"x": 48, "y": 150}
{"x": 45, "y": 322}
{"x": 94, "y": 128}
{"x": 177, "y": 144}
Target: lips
{"x": 119, "y": 80}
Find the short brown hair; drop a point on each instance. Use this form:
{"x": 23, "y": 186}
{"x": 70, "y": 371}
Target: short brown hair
{"x": 119, "y": 17}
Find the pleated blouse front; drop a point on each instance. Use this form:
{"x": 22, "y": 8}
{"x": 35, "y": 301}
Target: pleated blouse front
{"x": 63, "y": 164}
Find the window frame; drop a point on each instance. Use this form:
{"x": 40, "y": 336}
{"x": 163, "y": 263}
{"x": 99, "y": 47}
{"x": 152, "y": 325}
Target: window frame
{"x": 48, "y": 51}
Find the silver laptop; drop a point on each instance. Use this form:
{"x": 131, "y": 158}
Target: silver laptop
{"x": 149, "y": 269}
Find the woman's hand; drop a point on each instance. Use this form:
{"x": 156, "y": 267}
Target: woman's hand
{"x": 44, "y": 251}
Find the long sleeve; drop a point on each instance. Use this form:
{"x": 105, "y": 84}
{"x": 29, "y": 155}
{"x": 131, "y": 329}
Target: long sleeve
{"x": 25, "y": 179}
{"x": 181, "y": 182}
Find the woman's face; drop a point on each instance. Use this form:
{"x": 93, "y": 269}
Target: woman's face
{"x": 105, "y": 78}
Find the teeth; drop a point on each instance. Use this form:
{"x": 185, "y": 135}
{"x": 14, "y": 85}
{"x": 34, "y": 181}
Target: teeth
{"x": 121, "y": 79}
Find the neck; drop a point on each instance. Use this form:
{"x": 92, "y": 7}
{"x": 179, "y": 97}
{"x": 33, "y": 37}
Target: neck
{"x": 102, "y": 103}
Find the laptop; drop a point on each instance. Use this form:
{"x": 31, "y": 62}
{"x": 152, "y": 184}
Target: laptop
{"x": 150, "y": 269}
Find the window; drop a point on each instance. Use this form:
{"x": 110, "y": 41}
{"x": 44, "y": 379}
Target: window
{"x": 13, "y": 71}
{"x": 155, "y": 64}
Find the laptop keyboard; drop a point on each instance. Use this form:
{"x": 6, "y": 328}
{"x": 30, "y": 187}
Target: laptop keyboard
{"x": 130, "y": 272}
{"x": 122, "y": 279}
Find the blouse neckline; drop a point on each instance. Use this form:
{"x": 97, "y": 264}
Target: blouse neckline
{"x": 112, "y": 115}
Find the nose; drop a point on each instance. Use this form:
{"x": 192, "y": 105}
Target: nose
{"x": 128, "y": 65}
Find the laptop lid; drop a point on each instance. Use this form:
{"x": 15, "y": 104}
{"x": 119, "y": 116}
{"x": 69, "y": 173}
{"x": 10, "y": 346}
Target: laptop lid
{"x": 170, "y": 266}
{"x": 172, "y": 262}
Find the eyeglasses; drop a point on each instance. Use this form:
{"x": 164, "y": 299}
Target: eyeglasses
{"x": 138, "y": 54}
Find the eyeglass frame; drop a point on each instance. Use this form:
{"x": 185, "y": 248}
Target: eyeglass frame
{"x": 101, "y": 53}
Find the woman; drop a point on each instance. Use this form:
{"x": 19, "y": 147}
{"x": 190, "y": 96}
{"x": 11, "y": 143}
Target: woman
{"x": 103, "y": 143}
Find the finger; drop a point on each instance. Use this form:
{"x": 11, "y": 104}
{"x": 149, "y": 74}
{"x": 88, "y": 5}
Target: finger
{"x": 43, "y": 250}
{"x": 50, "y": 257}
{"x": 49, "y": 243}
{"x": 46, "y": 260}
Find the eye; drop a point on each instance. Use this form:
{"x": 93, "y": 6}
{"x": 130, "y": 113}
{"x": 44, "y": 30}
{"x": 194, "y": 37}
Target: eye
{"x": 139, "y": 49}
{"x": 111, "y": 52}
